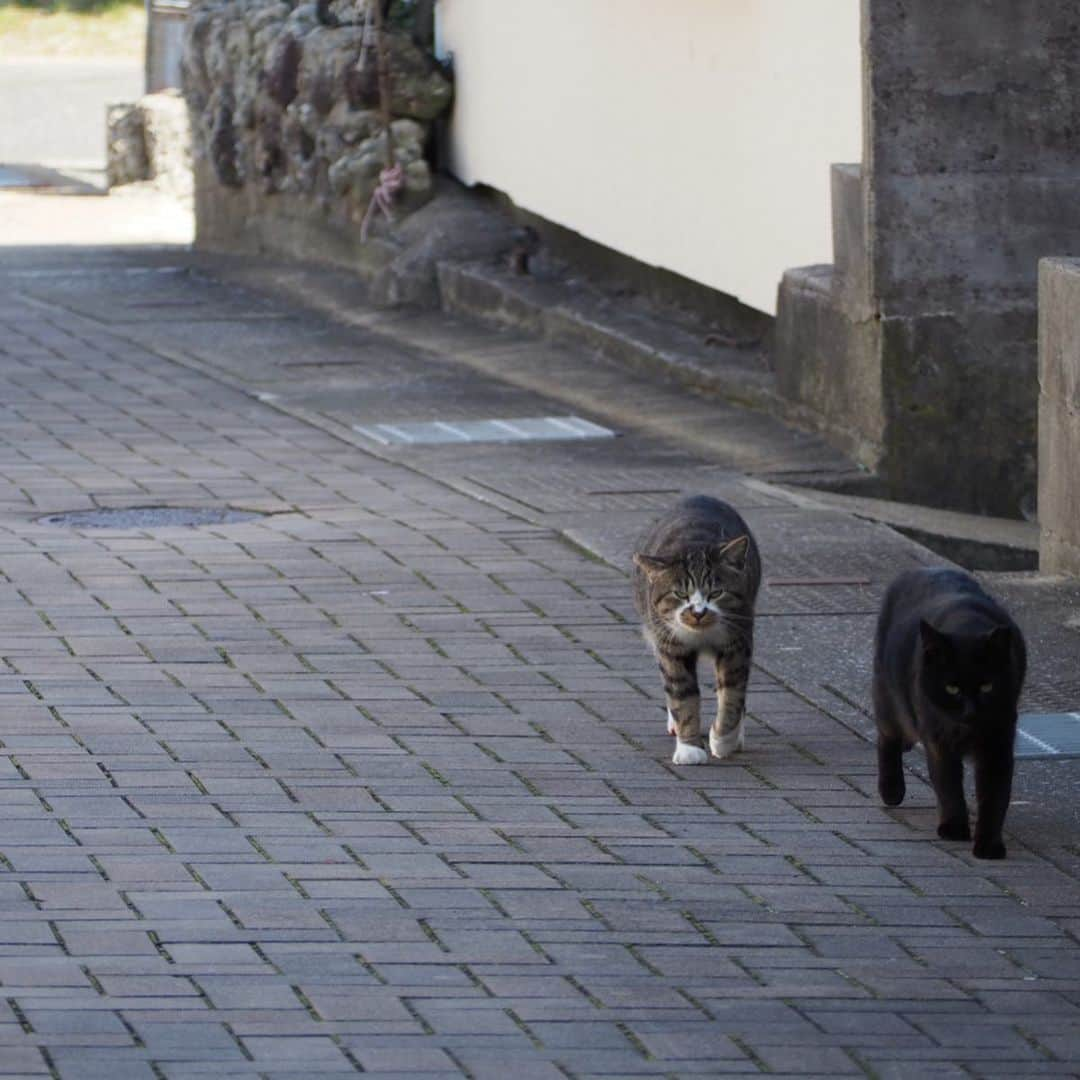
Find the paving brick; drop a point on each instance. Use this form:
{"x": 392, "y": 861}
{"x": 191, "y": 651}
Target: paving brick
{"x": 799, "y": 1060}
{"x": 23, "y": 1061}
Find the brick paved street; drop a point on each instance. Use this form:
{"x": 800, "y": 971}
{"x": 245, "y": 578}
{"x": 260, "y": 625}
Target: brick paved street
{"x": 378, "y": 782}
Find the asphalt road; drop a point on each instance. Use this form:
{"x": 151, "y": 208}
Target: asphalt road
{"x": 54, "y": 110}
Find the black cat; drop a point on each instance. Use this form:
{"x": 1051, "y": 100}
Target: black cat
{"x": 949, "y": 663}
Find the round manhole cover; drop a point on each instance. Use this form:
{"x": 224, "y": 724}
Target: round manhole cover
{"x": 148, "y": 517}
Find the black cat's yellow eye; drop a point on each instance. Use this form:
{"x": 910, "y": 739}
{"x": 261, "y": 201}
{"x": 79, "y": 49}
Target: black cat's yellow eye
{"x": 952, "y": 690}
{"x": 986, "y": 688}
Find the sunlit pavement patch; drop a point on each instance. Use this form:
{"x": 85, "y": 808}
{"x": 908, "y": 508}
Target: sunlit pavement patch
{"x": 518, "y": 429}
{"x": 1048, "y": 735}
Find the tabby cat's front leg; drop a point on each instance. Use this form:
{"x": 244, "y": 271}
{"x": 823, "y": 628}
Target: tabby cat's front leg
{"x": 684, "y": 707}
{"x": 727, "y": 735}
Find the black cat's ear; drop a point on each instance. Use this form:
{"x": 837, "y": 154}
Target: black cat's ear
{"x": 652, "y": 565}
{"x": 934, "y": 642}
{"x": 999, "y": 640}
{"x": 734, "y": 553}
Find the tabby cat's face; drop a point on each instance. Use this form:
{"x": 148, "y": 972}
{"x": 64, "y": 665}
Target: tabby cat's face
{"x": 965, "y": 677}
{"x": 700, "y": 589}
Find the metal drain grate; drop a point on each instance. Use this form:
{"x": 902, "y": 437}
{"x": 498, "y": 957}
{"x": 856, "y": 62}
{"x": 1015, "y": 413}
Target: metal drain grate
{"x": 518, "y": 429}
{"x": 149, "y": 517}
{"x": 1048, "y": 735}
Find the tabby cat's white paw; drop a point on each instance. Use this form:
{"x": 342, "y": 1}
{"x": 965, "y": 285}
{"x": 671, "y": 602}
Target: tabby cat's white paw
{"x": 723, "y": 746}
{"x": 672, "y": 727}
{"x": 685, "y": 754}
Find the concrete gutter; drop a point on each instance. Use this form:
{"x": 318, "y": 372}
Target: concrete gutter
{"x": 981, "y": 543}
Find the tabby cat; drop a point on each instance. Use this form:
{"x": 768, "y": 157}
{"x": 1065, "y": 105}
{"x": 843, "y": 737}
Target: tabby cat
{"x": 949, "y": 663}
{"x": 696, "y": 577}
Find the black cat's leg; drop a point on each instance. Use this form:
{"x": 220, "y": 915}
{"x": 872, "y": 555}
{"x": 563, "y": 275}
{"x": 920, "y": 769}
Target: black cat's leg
{"x": 727, "y": 735}
{"x": 947, "y": 776}
{"x": 684, "y": 707}
{"x": 890, "y": 766}
{"x": 993, "y": 789}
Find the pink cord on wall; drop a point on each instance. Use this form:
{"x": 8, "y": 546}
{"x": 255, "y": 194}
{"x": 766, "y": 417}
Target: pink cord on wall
{"x": 391, "y": 181}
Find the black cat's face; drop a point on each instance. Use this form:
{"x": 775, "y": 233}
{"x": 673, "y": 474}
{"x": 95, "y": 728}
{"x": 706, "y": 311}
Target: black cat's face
{"x": 966, "y": 676}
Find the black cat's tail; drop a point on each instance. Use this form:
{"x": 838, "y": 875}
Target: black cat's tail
{"x": 884, "y": 621}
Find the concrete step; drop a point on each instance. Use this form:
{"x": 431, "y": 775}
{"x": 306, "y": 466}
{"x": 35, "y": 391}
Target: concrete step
{"x": 565, "y": 312}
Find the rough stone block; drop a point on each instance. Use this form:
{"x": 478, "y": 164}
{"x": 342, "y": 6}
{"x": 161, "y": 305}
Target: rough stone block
{"x": 150, "y": 140}
{"x": 126, "y": 151}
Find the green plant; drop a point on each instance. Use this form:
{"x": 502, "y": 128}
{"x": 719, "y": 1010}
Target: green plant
{"x": 50, "y": 7}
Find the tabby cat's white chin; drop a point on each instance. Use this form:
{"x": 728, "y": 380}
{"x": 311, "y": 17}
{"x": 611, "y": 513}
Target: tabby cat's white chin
{"x": 716, "y": 633}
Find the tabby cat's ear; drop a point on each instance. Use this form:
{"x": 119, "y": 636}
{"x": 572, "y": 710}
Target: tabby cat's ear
{"x": 934, "y": 642}
{"x": 734, "y": 554}
{"x": 651, "y": 565}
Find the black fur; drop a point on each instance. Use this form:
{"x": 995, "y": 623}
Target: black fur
{"x": 949, "y": 665}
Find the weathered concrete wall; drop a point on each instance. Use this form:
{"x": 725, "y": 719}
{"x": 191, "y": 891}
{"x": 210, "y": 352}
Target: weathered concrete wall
{"x": 1059, "y": 416}
{"x": 692, "y": 135}
{"x": 974, "y": 108}
{"x": 288, "y": 141}
{"x": 969, "y": 173}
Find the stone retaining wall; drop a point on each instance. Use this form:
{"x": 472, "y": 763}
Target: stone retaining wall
{"x": 287, "y": 136}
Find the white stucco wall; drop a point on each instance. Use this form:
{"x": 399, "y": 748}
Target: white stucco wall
{"x": 694, "y": 135}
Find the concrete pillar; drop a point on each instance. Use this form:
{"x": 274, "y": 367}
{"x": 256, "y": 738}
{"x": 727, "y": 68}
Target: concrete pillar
{"x": 916, "y": 350}
{"x": 1059, "y": 416}
{"x": 164, "y": 43}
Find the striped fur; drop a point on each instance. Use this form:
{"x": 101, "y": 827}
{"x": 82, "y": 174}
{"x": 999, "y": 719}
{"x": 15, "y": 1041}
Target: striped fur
{"x": 696, "y": 578}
